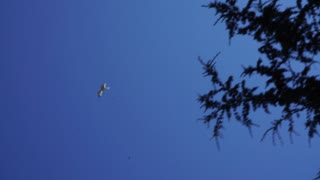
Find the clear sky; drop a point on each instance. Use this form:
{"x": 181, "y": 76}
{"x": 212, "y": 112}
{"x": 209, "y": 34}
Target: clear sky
{"x": 54, "y": 57}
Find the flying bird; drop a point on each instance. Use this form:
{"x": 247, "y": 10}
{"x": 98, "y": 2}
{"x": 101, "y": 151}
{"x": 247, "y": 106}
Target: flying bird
{"x": 103, "y": 87}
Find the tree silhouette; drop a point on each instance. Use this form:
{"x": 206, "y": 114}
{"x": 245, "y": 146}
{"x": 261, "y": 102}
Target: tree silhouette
{"x": 286, "y": 36}
{"x": 318, "y": 176}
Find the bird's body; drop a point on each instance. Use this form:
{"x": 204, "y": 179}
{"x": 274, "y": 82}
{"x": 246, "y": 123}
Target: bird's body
{"x": 103, "y": 87}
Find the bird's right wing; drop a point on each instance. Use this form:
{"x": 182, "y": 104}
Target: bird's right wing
{"x": 100, "y": 93}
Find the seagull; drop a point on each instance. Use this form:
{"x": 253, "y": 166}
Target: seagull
{"x": 103, "y": 87}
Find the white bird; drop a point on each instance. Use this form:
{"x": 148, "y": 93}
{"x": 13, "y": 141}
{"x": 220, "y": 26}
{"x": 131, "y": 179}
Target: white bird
{"x": 103, "y": 87}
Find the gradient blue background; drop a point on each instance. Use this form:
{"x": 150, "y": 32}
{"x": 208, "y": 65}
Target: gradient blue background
{"x": 55, "y": 55}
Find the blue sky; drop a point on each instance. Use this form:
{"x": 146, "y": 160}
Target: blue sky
{"x": 55, "y": 55}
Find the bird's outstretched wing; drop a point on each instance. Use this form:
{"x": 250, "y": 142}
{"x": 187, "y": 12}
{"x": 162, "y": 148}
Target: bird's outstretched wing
{"x": 100, "y": 92}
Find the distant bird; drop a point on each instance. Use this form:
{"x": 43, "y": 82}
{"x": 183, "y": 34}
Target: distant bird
{"x": 103, "y": 87}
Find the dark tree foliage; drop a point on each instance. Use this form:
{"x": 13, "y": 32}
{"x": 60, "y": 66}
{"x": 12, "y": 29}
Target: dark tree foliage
{"x": 286, "y": 35}
{"x": 318, "y": 176}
